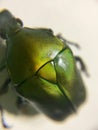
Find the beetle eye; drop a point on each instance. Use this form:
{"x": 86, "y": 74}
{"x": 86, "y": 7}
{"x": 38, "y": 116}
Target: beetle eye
{"x": 19, "y": 22}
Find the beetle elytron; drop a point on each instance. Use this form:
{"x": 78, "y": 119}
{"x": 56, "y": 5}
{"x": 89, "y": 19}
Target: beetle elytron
{"x": 42, "y": 68}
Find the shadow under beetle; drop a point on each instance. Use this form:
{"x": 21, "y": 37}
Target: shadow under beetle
{"x": 42, "y": 68}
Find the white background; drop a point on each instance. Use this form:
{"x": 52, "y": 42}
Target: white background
{"x": 77, "y": 20}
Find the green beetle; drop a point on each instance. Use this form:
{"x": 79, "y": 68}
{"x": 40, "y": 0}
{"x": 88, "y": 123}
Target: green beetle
{"x": 42, "y": 68}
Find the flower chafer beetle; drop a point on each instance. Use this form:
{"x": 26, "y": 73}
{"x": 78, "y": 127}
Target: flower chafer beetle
{"x": 42, "y": 68}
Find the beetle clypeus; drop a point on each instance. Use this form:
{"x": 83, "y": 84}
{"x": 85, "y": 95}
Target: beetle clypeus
{"x": 42, "y": 68}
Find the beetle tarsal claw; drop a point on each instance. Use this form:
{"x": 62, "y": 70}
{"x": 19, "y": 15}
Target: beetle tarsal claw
{"x": 4, "y": 124}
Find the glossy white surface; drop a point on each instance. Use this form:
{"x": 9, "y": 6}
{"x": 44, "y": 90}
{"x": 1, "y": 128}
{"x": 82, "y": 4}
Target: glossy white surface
{"x": 77, "y": 20}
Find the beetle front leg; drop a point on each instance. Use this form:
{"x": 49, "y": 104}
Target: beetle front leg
{"x": 5, "y": 87}
{"x": 82, "y": 64}
{"x": 2, "y": 66}
{"x": 3, "y": 90}
{"x": 67, "y": 42}
{"x": 4, "y": 124}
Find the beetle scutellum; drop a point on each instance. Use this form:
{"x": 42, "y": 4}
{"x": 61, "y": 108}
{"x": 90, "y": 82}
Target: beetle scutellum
{"x": 42, "y": 68}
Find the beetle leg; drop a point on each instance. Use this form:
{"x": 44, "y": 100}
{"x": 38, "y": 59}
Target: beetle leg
{"x": 5, "y": 125}
{"x": 2, "y": 66}
{"x": 5, "y": 86}
{"x": 20, "y": 102}
{"x": 82, "y": 64}
{"x": 67, "y": 42}
{"x": 25, "y": 107}
{"x": 3, "y": 90}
